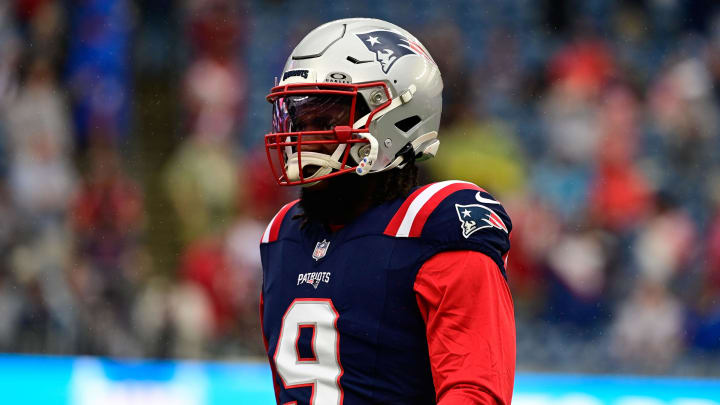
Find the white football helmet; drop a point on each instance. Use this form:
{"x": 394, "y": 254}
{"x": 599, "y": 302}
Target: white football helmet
{"x": 356, "y": 95}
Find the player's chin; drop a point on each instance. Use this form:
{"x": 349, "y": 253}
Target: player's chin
{"x": 338, "y": 181}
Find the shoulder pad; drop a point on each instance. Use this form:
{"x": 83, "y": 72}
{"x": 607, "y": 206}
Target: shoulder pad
{"x": 455, "y": 215}
{"x": 273, "y": 229}
{"x": 410, "y": 218}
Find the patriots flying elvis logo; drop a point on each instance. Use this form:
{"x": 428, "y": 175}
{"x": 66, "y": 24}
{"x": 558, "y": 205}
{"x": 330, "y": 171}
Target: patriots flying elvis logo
{"x": 390, "y": 46}
{"x": 474, "y": 217}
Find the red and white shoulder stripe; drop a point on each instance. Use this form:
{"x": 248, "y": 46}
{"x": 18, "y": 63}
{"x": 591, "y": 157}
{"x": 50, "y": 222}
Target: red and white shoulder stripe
{"x": 273, "y": 228}
{"x": 410, "y": 219}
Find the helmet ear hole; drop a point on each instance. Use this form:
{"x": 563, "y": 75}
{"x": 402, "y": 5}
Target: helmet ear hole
{"x": 408, "y": 123}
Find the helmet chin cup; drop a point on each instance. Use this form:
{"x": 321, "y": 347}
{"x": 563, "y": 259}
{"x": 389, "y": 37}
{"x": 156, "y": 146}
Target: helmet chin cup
{"x": 325, "y": 163}
{"x": 293, "y": 168}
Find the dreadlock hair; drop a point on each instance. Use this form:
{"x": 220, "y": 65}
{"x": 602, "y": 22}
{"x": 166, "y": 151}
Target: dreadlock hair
{"x": 346, "y": 196}
{"x": 394, "y": 184}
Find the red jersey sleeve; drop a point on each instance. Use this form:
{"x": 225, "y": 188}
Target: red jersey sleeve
{"x": 470, "y": 326}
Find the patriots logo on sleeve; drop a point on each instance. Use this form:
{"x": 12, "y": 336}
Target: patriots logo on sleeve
{"x": 390, "y": 46}
{"x": 474, "y": 217}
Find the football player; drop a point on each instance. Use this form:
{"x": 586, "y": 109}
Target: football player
{"x": 375, "y": 290}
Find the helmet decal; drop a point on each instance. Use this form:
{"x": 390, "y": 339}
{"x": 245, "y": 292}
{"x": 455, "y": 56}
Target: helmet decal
{"x": 389, "y": 46}
{"x": 338, "y": 77}
{"x": 298, "y": 72}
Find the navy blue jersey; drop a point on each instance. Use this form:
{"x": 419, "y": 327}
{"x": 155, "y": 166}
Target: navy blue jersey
{"x": 340, "y": 316}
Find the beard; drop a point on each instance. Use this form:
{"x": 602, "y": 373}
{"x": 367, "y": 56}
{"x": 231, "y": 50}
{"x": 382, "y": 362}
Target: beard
{"x": 340, "y": 199}
{"x": 337, "y": 200}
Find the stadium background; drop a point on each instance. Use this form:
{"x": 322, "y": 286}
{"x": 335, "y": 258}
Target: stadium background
{"x": 134, "y": 187}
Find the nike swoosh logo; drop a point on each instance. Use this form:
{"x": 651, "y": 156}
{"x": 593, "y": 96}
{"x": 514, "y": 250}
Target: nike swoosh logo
{"x": 485, "y": 200}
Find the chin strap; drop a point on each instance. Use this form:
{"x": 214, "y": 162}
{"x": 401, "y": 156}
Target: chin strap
{"x": 431, "y": 146}
{"x": 428, "y": 142}
{"x": 367, "y": 163}
{"x": 325, "y": 163}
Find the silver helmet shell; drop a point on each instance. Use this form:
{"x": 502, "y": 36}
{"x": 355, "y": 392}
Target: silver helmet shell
{"x": 358, "y": 51}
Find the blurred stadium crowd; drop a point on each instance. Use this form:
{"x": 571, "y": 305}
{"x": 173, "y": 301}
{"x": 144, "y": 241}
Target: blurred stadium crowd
{"x": 133, "y": 187}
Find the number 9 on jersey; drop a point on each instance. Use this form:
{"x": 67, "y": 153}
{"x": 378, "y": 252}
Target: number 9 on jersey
{"x": 323, "y": 371}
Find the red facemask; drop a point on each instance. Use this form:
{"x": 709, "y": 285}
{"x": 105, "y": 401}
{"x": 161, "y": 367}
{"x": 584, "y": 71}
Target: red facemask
{"x": 314, "y": 121}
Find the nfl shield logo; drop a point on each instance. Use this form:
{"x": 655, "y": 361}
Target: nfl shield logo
{"x": 320, "y": 249}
